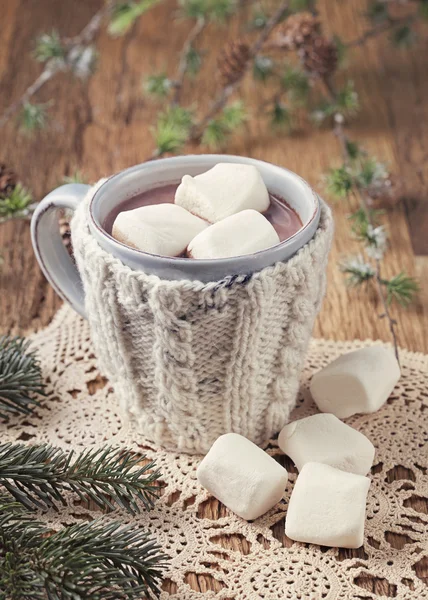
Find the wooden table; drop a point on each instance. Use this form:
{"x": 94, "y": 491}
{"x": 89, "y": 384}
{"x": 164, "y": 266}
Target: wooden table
{"x": 104, "y": 126}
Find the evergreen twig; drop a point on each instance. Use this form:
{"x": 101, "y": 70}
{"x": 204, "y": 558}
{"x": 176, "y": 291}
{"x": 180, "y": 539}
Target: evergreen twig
{"x": 96, "y": 561}
{"x": 20, "y": 377}
{"x": 38, "y": 476}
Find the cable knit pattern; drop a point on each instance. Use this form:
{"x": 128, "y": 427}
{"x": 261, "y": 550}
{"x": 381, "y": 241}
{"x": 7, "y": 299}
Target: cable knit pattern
{"x": 190, "y": 361}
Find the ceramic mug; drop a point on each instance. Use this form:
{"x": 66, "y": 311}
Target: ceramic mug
{"x": 62, "y": 273}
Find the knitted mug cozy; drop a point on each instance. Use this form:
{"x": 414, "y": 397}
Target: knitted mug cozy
{"x": 190, "y": 361}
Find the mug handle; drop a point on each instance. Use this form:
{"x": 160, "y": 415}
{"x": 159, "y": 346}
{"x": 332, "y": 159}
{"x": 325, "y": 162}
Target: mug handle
{"x": 54, "y": 260}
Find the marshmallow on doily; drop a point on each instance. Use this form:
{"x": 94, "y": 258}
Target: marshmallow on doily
{"x": 242, "y": 476}
{"x": 357, "y": 382}
{"x": 327, "y": 507}
{"x": 323, "y": 438}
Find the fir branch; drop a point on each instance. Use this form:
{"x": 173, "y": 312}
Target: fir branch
{"x": 38, "y": 476}
{"x": 17, "y": 205}
{"x": 94, "y": 560}
{"x": 172, "y": 130}
{"x": 20, "y": 377}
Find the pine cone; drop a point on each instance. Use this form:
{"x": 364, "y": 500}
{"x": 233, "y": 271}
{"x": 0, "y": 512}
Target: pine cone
{"x": 319, "y": 57}
{"x": 64, "y": 229}
{"x": 296, "y": 31}
{"x": 8, "y": 180}
{"x": 232, "y": 62}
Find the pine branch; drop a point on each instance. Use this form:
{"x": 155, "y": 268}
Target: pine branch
{"x": 94, "y": 561}
{"x": 374, "y": 235}
{"x": 38, "y": 476}
{"x": 53, "y": 66}
{"x": 20, "y": 377}
{"x": 224, "y": 95}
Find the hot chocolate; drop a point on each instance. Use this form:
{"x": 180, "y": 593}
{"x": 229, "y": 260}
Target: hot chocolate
{"x": 283, "y": 218}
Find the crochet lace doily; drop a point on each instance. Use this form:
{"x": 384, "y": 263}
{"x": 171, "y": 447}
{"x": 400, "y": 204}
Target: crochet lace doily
{"x": 214, "y": 547}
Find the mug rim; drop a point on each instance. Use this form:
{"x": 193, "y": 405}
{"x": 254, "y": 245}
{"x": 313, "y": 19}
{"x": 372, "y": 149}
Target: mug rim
{"x": 207, "y": 262}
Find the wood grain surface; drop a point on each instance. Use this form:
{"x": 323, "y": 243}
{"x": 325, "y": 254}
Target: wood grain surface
{"x": 104, "y": 126}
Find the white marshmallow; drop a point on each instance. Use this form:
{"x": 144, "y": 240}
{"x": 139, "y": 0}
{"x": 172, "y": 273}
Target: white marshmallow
{"x": 357, "y": 382}
{"x": 324, "y": 439}
{"x": 244, "y": 233}
{"x": 242, "y": 476}
{"x": 164, "y": 229}
{"x": 327, "y": 507}
{"x": 222, "y": 191}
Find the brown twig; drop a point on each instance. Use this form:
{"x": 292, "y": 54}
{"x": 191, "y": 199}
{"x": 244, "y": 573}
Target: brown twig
{"x": 194, "y": 33}
{"x": 339, "y": 132}
{"x": 52, "y": 67}
{"x": 382, "y": 28}
{"x": 228, "y": 90}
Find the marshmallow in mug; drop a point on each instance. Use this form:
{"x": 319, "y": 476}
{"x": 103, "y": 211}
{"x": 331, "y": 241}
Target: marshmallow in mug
{"x": 327, "y": 507}
{"x": 323, "y": 438}
{"x": 357, "y": 382}
{"x": 244, "y": 233}
{"x": 242, "y": 476}
{"x": 164, "y": 229}
{"x": 224, "y": 190}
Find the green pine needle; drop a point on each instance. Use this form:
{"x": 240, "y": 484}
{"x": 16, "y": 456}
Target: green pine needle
{"x": 339, "y": 182}
{"x": 347, "y": 100}
{"x": 357, "y": 271}
{"x": 20, "y": 377}
{"x": 49, "y": 46}
{"x": 33, "y": 117}
{"x": 215, "y": 10}
{"x": 16, "y": 205}
{"x": 281, "y": 117}
{"x": 218, "y": 130}
{"x": 263, "y": 67}
{"x": 172, "y": 129}
{"x": 214, "y": 135}
{"x": 125, "y": 14}
{"x": 75, "y": 177}
{"x": 401, "y": 289}
{"x": 193, "y": 61}
{"x": 97, "y": 561}
{"x": 234, "y": 115}
{"x": 360, "y": 219}
{"x": 370, "y": 172}
{"x": 423, "y": 9}
{"x": 377, "y": 11}
{"x": 157, "y": 85}
{"x": 301, "y": 5}
{"x": 38, "y": 476}
{"x": 403, "y": 37}
{"x": 353, "y": 150}
{"x": 297, "y": 85}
